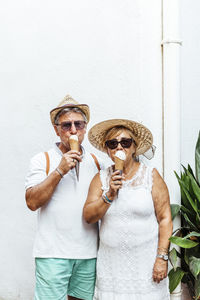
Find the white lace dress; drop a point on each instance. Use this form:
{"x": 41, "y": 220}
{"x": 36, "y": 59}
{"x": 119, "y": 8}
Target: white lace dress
{"x": 128, "y": 243}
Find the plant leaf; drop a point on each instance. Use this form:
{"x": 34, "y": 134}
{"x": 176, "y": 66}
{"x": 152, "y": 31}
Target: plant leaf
{"x": 188, "y": 212}
{"x": 197, "y": 159}
{"x": 175, "y": 278}
{"x": 192, "y": 202}
{"x": 197, "y": 288}
{"x": 195, "y": 187}
{"x": 175, "y": 208}
{"x": 191, "y": 252}
{"x": 190, "y": 223}
{"x": 198, "y": 220}
{"x": 193, "y": 233}
{"x": 183, "y": 243}
{"x": 183, "y": 196}
{"x": 186, "y": 256}
{"x": 194, "y": 265}
{"x": 191, "y": 171}
{"x": 173, "y": 258}
{"x": 184, "y": 168}
{"x": 192, "y": 181}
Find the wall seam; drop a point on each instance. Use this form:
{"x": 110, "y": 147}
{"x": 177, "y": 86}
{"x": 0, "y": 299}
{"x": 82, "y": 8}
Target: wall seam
{"x": 162, "y": 80}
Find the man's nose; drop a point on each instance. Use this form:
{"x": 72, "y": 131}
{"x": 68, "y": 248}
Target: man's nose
{"x": 73, "y": 128}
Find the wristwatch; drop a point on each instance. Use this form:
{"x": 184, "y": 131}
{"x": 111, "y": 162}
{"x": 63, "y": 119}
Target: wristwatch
{"x": 163, "y": 256}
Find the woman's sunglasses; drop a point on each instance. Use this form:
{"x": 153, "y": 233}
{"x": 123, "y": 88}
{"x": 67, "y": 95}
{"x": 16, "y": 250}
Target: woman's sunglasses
{"x": 125, "y": 143}
{"x": 66, "y": 126}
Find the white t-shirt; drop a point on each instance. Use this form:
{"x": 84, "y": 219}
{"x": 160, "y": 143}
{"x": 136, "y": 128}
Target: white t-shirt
{"x": 62, "y": 232}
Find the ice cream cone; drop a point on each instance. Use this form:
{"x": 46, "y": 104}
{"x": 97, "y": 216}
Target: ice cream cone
{"x": 119, "y": 164}
{"x": 74, "y": 145}
{"x": 77, "y": 170}
{"x": 119, "y": 160}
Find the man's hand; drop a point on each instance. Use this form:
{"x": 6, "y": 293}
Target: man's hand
{"x": 160, "y": 270}
{"x": 69, "y": 160}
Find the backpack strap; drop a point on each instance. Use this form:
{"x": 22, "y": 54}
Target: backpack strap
{"x": 47, "y": 163}
{"x": 96, "y": 162}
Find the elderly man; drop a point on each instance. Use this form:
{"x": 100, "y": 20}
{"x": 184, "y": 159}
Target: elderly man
{"x": 65, "y": 246}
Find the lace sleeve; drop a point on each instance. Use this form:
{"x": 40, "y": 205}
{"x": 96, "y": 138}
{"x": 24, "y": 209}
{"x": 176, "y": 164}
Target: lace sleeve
{"x": 150, "y": 178}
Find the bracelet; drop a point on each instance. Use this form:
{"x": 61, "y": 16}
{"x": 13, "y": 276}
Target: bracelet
{"x": 106, "y": 199}
{"x": 163, "y": 250}
{"x": 59, "y": 172}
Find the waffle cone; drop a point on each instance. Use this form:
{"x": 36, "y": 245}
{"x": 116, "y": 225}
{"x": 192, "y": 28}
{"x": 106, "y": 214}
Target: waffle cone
{"x": 119, "y": 163}
{"x": 74, "y": 145}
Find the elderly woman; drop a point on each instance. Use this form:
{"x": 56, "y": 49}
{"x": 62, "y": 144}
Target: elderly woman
{"x": 134, "y": 210}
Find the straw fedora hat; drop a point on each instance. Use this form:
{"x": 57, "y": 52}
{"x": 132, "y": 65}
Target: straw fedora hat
{"x": 142, "y": 135}
{"x": 68, "y": 101}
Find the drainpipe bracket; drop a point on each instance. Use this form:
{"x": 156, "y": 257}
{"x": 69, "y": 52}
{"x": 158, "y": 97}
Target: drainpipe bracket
{"x": 171, "y": 41}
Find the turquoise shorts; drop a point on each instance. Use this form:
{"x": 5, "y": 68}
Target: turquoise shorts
{"x": 56, "y": 278}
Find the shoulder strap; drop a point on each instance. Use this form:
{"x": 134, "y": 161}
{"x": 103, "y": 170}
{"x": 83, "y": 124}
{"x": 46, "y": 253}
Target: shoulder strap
{"x": 96, "y": 161}
{"x": 47, "y": 163}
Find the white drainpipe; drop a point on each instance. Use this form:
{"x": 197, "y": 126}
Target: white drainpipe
{"x": 171, "y": 103}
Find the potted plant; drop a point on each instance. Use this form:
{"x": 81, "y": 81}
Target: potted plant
{"x": 187, "y": 237}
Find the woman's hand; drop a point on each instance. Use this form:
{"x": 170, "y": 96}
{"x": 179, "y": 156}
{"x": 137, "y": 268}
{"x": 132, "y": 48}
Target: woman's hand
{"x": 160, "y": 269}
{"x": 115, "y": 184}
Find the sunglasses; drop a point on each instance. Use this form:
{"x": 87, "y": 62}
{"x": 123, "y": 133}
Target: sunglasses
{"x": 66, "y": 126}
{"x": 125, "y": 143}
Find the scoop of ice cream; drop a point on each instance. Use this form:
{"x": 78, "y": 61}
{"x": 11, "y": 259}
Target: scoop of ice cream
{"x": 73, "y": 137}
{"x": 120, "y": 154}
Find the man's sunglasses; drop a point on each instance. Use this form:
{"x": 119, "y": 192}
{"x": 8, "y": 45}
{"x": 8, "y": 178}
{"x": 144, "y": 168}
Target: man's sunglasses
{"x": 125, "y": 143}
{"x": 66, "y": 126}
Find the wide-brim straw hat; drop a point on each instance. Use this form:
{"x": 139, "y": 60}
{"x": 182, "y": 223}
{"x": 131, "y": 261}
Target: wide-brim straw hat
{"x": 67, "y": 102}
{"x": 142, "y": 135}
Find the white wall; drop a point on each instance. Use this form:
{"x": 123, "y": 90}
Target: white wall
{"x": 190, "y": 79}
{"x": 105, "y": 53}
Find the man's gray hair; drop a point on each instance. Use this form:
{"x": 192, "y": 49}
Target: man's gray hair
{"x": 67, "y": 110}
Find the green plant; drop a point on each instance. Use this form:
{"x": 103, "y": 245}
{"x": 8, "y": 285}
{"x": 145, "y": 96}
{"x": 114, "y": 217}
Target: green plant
{"x": 187, "y": 237}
